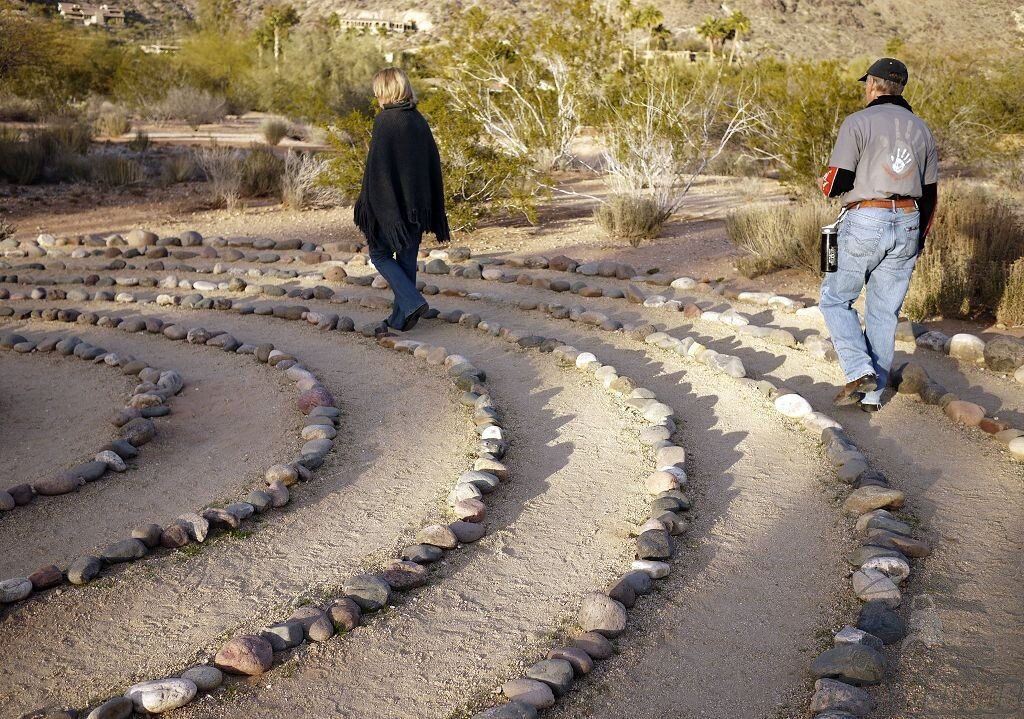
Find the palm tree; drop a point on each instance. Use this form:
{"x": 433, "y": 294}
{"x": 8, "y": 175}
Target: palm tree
{"x": 739, "y": 24}
{"x": 714, "y": 30}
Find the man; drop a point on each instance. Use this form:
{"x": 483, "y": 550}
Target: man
{"x": 885, "y": 169}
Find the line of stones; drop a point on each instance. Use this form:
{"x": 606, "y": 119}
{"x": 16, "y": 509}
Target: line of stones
{"x": 881, "y": 562}
{"x": 602, "y": 614}
{"x": 1001, "y": 354}
{"x": 147, "y": 401}
{"x": 253, "y": 654}
{"x": 961, "y": 412}
{"x": 313, "y": 400}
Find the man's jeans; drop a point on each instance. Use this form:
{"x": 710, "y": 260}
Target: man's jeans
{"x": 877, "y": 246}
{"x": 400, "y": 272}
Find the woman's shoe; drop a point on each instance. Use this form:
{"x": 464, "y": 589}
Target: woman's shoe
{"x": 853, "y": 392}
{"x": 414, "y": 317}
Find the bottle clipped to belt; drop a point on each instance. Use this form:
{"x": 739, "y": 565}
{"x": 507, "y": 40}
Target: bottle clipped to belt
{"x": 830, "y": 245}
{"x": 829, "y": 248}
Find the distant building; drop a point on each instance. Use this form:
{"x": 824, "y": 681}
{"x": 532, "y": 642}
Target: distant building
{"x": 159, "y": 49}
{"x": 364, "y": 21}
{"x": 98, "y": 15}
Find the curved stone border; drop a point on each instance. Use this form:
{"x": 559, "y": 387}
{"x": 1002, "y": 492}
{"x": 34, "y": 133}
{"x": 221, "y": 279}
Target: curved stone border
{"x": 249, "y": 654}
{"x": 871, "y": 489}
{"x": 146, "y": 402}
{"x": 313, "y": 400}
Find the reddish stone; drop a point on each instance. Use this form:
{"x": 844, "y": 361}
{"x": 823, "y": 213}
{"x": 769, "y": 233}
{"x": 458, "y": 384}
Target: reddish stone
{"x": 174, "y": 536}
{"x": 245, "y": 654}
{"x": 46, "y": 577}
{"x": 991, "y": 426}
{"x": 315, "y": 396}
{"x": 691, "y": 310}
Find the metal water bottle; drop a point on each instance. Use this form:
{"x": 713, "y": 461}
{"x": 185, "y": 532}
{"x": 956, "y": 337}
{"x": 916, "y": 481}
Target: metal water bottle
{"x": 829, "y": 248}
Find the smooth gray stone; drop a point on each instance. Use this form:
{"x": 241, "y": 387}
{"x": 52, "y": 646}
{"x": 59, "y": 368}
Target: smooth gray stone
{"x": 124, "y": 551}
{"x": 855, "y": 664}
{"x": 422, "y": 553}
{"x": 84, "y": 569}
{"x": 654, "y": 544}
{"x": 512, "y": 710}
{"x": 206, "y": 678}
{"x": 284, "y": 635}
{"x": 369, "y": 592}
{"x": 556, "y": 673}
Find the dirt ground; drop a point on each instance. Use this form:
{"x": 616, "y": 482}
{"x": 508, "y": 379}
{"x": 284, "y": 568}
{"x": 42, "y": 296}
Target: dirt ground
{"x": 759, "y": 584}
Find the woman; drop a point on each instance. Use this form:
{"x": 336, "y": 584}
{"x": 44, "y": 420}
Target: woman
{"x": 402, "y": 194}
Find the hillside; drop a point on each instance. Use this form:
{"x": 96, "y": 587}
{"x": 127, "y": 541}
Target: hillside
{"x": 824, "y": 28}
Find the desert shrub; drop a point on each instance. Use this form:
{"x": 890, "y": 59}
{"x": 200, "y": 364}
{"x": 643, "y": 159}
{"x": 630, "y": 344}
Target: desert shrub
{"x": 630, "y": 217}
{"x": 193, "y": 105}
{"x": 22, "y": 163}
{"x": 180, "y": 167}
{"x": 261, "y": 172}
{"x": 68, "y": 134}
{"x": 274, "y": 130}
{"x": 301, "y": 187}
{"x": 44, "y": 155}
{"x": 221, "y": 168}
{"x": 349, "y": 141}
{"x": 140, "y": 142}
{"x": 113, "y": 122}
{"x": 109, "y": 170}
{"x": 18, "y": 109}
{"x": 966, "y": 263}
{"x": 1011, "y": 305}
{"x": 6, "y": 229}
{"x": 779, "y": 236}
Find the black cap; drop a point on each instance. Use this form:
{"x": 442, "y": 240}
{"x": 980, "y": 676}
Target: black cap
{"x": 888, "y": 69}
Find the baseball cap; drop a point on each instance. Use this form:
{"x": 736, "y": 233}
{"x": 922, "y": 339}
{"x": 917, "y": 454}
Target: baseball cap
{"x": 888, "y": 68}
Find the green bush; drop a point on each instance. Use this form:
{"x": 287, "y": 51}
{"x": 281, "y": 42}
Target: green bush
{"x": 630, "y": 217}
{"x": 779, "y": 236}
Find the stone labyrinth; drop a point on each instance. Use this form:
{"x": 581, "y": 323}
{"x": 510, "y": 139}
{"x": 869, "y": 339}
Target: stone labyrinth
{"x": 577, "y": 488}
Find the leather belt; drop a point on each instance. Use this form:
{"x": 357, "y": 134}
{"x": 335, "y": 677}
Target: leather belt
{"x": 908, "y": 203}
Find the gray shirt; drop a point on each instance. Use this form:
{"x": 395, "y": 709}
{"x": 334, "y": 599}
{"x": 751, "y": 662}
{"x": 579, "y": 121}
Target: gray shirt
{"x": 891, "y": 151}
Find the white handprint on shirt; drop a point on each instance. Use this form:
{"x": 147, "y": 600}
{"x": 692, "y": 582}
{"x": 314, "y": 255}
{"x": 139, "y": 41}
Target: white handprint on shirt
{"x": 901, "y": 160}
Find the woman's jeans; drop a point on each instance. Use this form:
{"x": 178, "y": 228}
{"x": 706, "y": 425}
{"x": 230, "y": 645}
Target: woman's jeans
{"x": 400, "y": 272}
{"x": 879, "y": 247}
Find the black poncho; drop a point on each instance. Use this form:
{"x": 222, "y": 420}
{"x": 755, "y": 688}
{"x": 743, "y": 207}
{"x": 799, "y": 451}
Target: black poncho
{"x": 402, "y": 194}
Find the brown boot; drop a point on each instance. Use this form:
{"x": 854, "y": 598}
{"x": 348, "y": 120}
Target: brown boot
{"x": 853, "y": 392}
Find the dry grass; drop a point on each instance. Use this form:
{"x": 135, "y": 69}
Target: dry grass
{"x": 261, "y": 172}
{"x": 113, "y": 171}
{"x": 301, "y": 186}
{"x": 113, "y": 122}
{"x": 1010, "y": 311}
{"x": 965, "y": 268}
{"x": 220, "y": 166}
{"x": 630, "y": 217}
{"x": 274, "y": 130}
{"x": 194, "y": 106}
{"x": 779, "y": 236}
{"x": 140, "y": 142}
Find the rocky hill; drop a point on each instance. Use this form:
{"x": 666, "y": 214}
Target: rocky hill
{"x": 805, "y": 28}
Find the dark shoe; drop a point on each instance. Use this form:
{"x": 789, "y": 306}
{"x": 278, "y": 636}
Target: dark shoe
{"x": 382, "y": 330}
{"x": 853, "y": 392}
{"x": 869, "y": 407}
{"x": 414, "y": 317}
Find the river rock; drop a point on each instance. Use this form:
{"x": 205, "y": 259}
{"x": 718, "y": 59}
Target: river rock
{"x": 556, "y": 673}
{"x": 852, "y": 635}
{"x": 116, "y": 708}
{"x": 112, "y": 460}
{"x": 600, "y": 613}
{"x": 511, "y": 710}
{"x": 369, "y": 592}
{"x": 206, "y": 678}
{"x": 871, "y": 497}
{"x": 126, "y": 550}
{"x": 139, "y": 431}
{"x": 84, "y": 569}
{"x": 403, "y": 575}
{"x": 1004, "y": 354}
{"x": 895, "y": 568}
{"x": 872, "y": 585}
{"x": 162, "y": 695}
{"x": 832, "y": 695}
{"x": 654, "y": 544}
{"x": 438, "y": 536}
{"x": 15, "y": 589}
{"x": 530, "y": 692}
{"x": 878, "y": 619}
{"x": 965, "y": 413}
{"x": 855, "y": 664}
{"x": 245, "y": 654}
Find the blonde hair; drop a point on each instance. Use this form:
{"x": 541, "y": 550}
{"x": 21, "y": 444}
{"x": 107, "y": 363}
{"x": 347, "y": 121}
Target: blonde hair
{"x": 392, "y": 85}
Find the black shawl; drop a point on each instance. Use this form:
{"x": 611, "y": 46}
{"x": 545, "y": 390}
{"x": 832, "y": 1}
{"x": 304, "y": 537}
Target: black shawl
{"x": 402, "y": 194}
